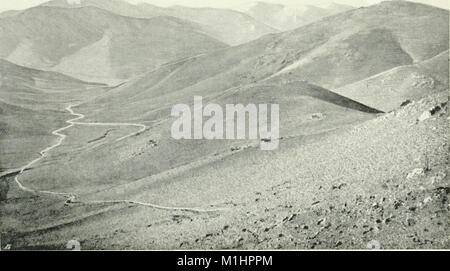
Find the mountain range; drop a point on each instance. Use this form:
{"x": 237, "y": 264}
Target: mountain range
{"x": 332, "y": 53}
{"x": 286, "y": 18}
{"x": 97, "y": 45}
{"x": 229, "y": 26}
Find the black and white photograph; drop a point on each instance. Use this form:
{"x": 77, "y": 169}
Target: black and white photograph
{"x": 224, "y": 125}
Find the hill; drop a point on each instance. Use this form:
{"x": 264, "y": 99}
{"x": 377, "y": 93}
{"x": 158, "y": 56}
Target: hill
{"x": 390, "y": 89}
{"x": 331, "y": 53}
{"x": 229, "y": 26}
{"x": 363, "y": 42}
{"x": 95, "y": 45}
{"x": 114, "y": 6}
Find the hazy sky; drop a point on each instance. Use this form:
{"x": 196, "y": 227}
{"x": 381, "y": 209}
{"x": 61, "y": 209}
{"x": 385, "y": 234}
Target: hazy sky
{"x": 22, "y": 4}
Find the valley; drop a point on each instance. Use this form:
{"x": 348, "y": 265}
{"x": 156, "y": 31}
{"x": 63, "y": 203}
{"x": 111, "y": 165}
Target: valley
{"x": 87, "y": 153}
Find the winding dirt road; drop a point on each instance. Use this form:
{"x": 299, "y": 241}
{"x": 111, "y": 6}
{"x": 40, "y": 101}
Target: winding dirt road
{"x": 72, "y": 198}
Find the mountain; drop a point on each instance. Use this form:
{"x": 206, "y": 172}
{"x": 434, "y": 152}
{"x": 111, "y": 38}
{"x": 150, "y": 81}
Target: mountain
{"x": 360, "y": 43}
{"x": 389, "y": 90}
{"x": 289, "y": 17}
{"x": 114, "y": 6}
{"x": 12, "y": 75}
{"x": 229, "y": 26}
{"x": 9, "y": 13}
{"x": 95, "y": 45}
{"x": 331, "y": 53}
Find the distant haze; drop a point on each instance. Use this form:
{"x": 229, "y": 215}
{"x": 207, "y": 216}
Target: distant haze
{"x": 23, "y": 4}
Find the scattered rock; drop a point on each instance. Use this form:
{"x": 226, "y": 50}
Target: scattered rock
{"x": 416, "y": 172}
{"x": 152, "y": 143}
{"x": 317, "y": 116}
{"x": 427, "y": 200}
{"x": 425, "y": 115}
{"x": 397, "y": 204}
{"x": 340, "y": 186}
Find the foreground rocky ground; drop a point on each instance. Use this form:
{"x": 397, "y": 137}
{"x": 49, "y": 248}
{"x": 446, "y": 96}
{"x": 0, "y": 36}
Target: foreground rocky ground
{"x": 392, "y": 188}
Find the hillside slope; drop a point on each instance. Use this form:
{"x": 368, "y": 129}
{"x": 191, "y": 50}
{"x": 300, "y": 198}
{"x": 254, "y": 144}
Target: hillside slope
{"x": 390, "y": 89}
{"x": 363, "y": 42}
{"x": 31, "y": 106}
{"x": 383, "y": 180}
{"x": 304, "y": 109}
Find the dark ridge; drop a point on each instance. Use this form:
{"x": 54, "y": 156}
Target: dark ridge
{"x": 331, "y": 97}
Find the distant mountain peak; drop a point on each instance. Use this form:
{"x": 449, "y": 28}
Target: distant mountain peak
{"x": 74, "y": 2}
{"x": 291, "y": 16}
